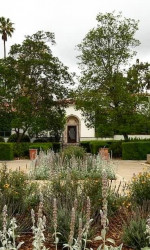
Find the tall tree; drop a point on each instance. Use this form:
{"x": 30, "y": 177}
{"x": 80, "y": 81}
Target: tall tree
{"x": 6, "y": 29}
{"x": 36, "y": 81}
{"x": 104, "y": 94}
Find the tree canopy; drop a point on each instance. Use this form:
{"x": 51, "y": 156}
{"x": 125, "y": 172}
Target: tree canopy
{"x": 32, "y": 83}
{"x": 108, "y": 92}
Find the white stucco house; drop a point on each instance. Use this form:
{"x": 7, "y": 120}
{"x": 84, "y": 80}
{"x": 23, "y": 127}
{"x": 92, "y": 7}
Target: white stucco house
{"x": 75, "y": 128}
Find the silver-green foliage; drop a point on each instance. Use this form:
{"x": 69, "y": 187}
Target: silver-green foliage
{"x": 48, "y": 165}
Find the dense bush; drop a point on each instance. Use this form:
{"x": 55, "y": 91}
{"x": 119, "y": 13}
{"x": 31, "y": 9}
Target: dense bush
{"x": 96, "y": 145}
{"x": 43, "y": 140}
{"x": 49, "y": 164}
{"x": 21, "y": 149}
{"x": 66, "y": 191}
{"x": 6, "y": 151}
{"x": 2, "y": 139}
{"x": 56, "y": 146}
{"x": 116, "y": 148}
{"x": 14, "y": 138}
{"x": 76, "y": 151}
{"x": 86, "y": 146}
{"x": 140, "y": 188}
{"x": 41, "y": 146}
{"x": 135, "y": 150}
{"x": 134, "y": 232}
{"x": 16, "y": 191}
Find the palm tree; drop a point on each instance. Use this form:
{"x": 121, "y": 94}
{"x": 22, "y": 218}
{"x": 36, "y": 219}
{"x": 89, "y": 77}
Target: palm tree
{"x": 6, "y": 29}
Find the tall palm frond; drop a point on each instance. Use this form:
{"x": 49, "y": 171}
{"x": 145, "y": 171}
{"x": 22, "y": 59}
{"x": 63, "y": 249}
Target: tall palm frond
{"x": 6, "y": 29}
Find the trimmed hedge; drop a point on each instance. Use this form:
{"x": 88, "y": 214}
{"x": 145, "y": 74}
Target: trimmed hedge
{"x": 96, "y": 145}
{"x": 86, "y": 146}
{"x": 2, "y": 139}
{"x": 44, "y": 146}
{"x": 116, "y": 148}
{"x": 135, "y": 150}
{"x": 6, "y": 151}
{"x": 21, "y": 149}
{"x": 56, "y": 146}
{"x": 93, "y": 147}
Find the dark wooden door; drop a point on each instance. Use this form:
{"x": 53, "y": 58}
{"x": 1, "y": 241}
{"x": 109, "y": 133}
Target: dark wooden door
{"x": 72, "y": 134}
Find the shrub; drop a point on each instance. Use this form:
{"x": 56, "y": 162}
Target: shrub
{"x": 21, "y": 149}
{"x": 14, "y": 138}
{"x": 48, "y": 163}
{"x": 56, "y": 146}
{"x": 116, "y": 148}
{"x": 41, "y": 146}
{"x": 135, "y": 150}
{"x": 65, "y": 192}
{"x": 134, "y": 233}
{"x": 96, "y": 145}
{"x": 37, "y": 140}
{"x": 6, "y": 151}
{"x": 140, "y": 188}
{"x": 76, "y": 151}
{"x": 2, "y": 139}
{"x": 17, "y": 192}
{"x": 86, "y": 146}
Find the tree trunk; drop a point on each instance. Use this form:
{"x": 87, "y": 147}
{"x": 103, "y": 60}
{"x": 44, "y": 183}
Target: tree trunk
{"x": 4, "y": 49}
{"x": 126, "y": 138}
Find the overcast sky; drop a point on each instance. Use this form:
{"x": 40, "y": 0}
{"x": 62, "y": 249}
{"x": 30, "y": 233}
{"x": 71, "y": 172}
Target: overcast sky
{"x": 70, "y": 20}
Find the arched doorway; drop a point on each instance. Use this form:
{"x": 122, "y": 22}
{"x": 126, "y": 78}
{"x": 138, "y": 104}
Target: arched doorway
{"x": 72, "y": 130}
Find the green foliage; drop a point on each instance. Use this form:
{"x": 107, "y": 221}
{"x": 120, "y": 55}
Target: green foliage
{"x": 56, "y": 147}
{"x": 16, "y": 191}
{"x": 66, "y": 192}
{"x": 96, "y": 145}
{"x": 86, "y": 146}
{"x": 107, "y": 96}
{"x": 5, "y": 119}
{"x": 76, "y": 151}
{"x": 41, "y": 146}
{"x": 49, "y": 163}
{"x": 14, "y": 138}
{"x": 116, "y": 148}
{"x": 6, "y": 29}
{"x": 6, "y": 151}
{"x": 135, "y": 150}
{"x": 69, "y": 189}
{"x": 35, "y": 80}
{"x": 2, "y": 139}
{"x": 134, "y": 233}
{"x": 140, "y": 188}
{"x": 21, "y": 149}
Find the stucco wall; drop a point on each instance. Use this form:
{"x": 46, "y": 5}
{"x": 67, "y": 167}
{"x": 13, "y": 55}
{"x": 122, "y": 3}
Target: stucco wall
{"x": 85, "y": 132}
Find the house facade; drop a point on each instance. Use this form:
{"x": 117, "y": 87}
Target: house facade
{"x": 75, "y": 128}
